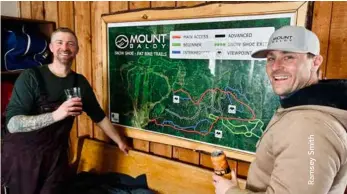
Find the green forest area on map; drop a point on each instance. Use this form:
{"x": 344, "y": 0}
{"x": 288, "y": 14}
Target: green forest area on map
{"x": 143, "y": 88}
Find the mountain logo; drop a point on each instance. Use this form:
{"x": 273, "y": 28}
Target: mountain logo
{"x": 122, "y": 41}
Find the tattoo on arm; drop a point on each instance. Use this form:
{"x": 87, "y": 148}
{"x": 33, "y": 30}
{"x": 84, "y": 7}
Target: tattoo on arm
{"x": 22, "y": 123}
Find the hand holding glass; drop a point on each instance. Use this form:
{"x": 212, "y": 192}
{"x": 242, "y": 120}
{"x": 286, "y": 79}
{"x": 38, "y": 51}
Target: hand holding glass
{"x": 73, "y": 93}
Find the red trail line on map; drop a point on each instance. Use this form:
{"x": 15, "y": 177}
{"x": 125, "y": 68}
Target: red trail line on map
{"x": 217, "y": 119}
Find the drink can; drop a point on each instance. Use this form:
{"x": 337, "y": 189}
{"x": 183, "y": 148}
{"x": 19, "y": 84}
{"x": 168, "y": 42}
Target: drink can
{"x": 220, "y": 164}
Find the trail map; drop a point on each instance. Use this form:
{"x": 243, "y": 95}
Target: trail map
{"x": 193, "y": 79}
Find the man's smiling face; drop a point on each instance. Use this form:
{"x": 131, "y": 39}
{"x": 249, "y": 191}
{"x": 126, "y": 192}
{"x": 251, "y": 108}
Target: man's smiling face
{"x": 64, "y": 47}
{"x": 288, "y": 71}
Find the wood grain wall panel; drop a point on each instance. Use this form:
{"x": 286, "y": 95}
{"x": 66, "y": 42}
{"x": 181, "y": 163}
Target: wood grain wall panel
{"x": 139, "y": 4}
{"x": 337, "y": 57}
{"x": 84, "y": 57}
{"x": 66, "y": 14}
{"x": 189, "y": 3}
{"x": 186, "y": 155}
{"x": 97, "y": 9}
{"x": 25, "y": 9}
{"x": 37, "y": 11}
{"x": 118, "y": 6}
{"x": 163, "y": 4}
{"x": 232, "y": 164}
{"x": 321, "y": 26}
{"x": 51, "y": 11}
{"x": 205, "y": 160}
{"x": 142, "y": 145}
{"x": 160, "y": 149}
{"x": 242, "y": 168}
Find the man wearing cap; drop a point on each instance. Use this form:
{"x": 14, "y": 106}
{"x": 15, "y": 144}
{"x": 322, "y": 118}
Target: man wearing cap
{"x": 304, "y": 147}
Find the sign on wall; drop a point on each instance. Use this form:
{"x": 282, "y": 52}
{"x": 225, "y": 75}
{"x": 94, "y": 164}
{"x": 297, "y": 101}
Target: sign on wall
{"x": 193, "y": 78}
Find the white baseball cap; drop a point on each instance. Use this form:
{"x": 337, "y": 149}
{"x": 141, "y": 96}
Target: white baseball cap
{"x": 295, "y": 39}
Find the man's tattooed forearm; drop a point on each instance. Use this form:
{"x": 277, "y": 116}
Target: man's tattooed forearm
{"x": 22, "y": 123}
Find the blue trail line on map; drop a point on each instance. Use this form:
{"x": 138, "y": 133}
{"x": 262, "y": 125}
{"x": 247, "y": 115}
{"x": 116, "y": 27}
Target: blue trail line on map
{"x": 188, "y": 127}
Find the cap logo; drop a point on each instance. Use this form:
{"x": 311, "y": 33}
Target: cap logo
{"x": 281, "y": 39}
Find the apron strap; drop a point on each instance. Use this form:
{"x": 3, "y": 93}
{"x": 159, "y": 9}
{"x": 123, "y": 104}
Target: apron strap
{"x": 41, "y": 83}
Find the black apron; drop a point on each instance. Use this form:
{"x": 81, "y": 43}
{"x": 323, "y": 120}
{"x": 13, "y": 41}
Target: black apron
{"x": 37, "y": 162}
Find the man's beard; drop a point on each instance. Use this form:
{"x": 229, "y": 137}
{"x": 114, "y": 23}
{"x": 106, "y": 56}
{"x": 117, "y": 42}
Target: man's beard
{"x": 65, "y": 61}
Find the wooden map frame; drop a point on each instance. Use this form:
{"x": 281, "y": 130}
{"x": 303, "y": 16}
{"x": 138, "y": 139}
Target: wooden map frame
{"x": 205, "y": 11}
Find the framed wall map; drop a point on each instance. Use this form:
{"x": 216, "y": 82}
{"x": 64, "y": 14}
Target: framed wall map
{"x": 187, "y": 79}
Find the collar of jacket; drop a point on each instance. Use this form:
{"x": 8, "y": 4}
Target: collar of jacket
{"x": 331, "y": 93}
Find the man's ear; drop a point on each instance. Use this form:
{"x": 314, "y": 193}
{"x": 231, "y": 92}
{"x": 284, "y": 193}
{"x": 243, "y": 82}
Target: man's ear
{"x": 50, "y": 47}
{"x": 316, "y": 62}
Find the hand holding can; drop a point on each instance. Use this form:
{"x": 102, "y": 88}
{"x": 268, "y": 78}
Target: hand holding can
{"x": 220, "y": 164}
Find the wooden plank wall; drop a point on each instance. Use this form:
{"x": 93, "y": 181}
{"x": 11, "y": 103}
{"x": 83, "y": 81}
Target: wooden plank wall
{"x": 329, "y": 23}
{"x": 85, "y": 18}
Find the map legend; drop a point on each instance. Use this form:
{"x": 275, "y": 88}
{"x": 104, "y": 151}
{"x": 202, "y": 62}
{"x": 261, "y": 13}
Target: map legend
{"x": 176, "y": 37}
{"x": 176, "y": 44}
{"x": 176, "y": 52}
{"x": 219, "y": 36}
{"x": 227, "y": 44}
